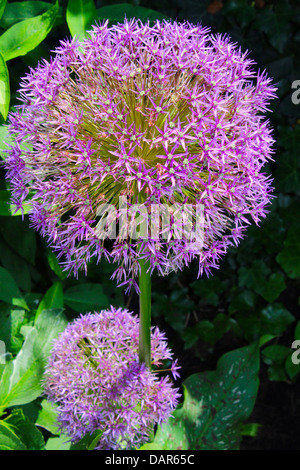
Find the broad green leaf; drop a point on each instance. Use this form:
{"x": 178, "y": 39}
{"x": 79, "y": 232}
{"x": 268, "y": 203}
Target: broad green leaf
{"x": 4, "y": 88}
{"x": 19, "y": 11}
{"x": 116, "y": 13}
{"x": 21, "y": 379}
{"x": 26, "y": 35}
{"x": 215, "y": 404}
{"x": 9, "y": 291}
{"x": 54, "y": 298}
{"x": 58, "y": 443}
{"x": 26, "y": 431}
{"x": 47, "y": 417}
{"x": 86, "y": 297}
{"x": 81, "y": 14}
{"x": 8, "y": 439}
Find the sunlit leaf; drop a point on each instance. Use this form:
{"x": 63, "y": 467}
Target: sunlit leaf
{"x": 26, "y": 35}
{"x": 81, "y": 14}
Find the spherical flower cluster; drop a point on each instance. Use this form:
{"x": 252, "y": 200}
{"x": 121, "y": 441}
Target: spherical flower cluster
{"x": 166, "y": 115}
{"x": 95, "y": 376}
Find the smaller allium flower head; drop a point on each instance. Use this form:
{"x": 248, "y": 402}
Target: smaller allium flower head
{"x": 95, "y": 376}
{"x": 166, "y": 116}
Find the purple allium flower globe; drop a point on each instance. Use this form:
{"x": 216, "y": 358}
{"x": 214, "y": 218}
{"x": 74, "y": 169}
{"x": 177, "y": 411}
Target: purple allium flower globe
{"x": 166, "y": 114}
{"x": 94, "y": 374}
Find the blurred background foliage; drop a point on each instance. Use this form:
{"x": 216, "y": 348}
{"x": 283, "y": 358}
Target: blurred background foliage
{"x": 256, "y": 292}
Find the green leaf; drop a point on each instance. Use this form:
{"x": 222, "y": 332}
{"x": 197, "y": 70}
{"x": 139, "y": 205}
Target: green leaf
{"x": 54, "y": 265}
{"x": 215, "y": 404}
{"x": 27, "y": 432}
{"x": 272, "y": 288}
{"x": 26, "y": 35}
{"x": 54, "y": 298}
{"x": 11, "y": 322}
{"x": 9, "y": 291}
{"x": 203, "y": 330}
{"x": 20, "y": 11}
{"x": 253, "y": 276}
{"x": 208, "y": 289}
{"x": 289, "y": 257}
{"x": 243, "y": 300}
{"x": 2, "y": 6}
{"x": 58, "y": 443}
{"x": 86, "y": 297}
{"x": 21, "y": 379}
{"x": 81, "y": 15}
{"x": 116, "y": 13}
{"x": 275, "y": 318}
{"x": 272, "y": 320}
{"x": 88, "y": 442}
{"x": 4, "y": 88}
{"x": 8, "y": 439}
{"x": 275, "y": 356}
{"x": 275, "y": 353}
{"x": 47, "y": 417}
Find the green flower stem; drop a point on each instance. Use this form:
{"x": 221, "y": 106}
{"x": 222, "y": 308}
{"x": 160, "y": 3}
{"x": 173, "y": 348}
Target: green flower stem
{"x": 145, "y": 315}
